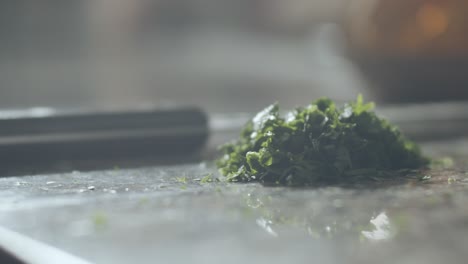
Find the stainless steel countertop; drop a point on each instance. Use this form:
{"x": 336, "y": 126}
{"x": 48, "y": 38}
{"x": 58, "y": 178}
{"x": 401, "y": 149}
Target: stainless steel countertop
{"x": 165, "y": 214}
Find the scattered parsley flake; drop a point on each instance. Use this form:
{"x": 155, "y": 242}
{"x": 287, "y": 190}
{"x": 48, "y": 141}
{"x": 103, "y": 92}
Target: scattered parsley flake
{"x": 181, "y": 180}
{"x": 100, "y": 220}
{"x": 208, "y": 178}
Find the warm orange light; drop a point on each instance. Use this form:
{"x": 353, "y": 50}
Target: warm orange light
{"x": 433, "y": 20}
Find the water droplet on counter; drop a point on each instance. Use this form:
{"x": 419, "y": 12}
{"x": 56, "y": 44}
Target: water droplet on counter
{"x": 382, "y": 229}
{"x": 266, "y": 225}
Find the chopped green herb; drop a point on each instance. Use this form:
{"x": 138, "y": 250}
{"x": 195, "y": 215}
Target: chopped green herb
{"x": 143, "y": 201}
{"x": 181, "y": 180}
{"x": 208, "y": 178}
{"x": 218, "y": 189}
{"x": 100, "y": 220}
{"x": 451, "y": 180}
{"x": 317, "y": 144}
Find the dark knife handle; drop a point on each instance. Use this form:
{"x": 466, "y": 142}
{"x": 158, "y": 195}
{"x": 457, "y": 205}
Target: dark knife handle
{"x": 94, "y": 135}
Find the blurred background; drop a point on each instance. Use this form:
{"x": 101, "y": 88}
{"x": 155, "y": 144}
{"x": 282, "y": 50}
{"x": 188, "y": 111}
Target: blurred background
{"x": 230, "y": 55}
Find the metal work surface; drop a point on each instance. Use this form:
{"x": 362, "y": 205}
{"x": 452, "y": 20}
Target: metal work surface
{"x": 170, "y": 214}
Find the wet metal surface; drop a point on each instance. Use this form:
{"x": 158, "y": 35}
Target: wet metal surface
{"x": 172, "y": 214}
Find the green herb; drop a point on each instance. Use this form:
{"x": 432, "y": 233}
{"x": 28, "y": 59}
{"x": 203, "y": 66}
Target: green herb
{"x": 100, "y": 220}
{"x": 319, "y": 143}
{"x": 208, "y": 178}
{"x": 143, "y": 201}
{"x": 451, "y": 180}
{"x": 181, "y": 179}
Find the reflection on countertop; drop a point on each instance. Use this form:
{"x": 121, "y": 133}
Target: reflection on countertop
{"x": 156, "y": 213}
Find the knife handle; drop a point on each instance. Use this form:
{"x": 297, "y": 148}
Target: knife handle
{"x": 94, "y": 135}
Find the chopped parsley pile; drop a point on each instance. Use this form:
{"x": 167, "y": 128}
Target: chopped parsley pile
{"x": 318, "y": 144}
